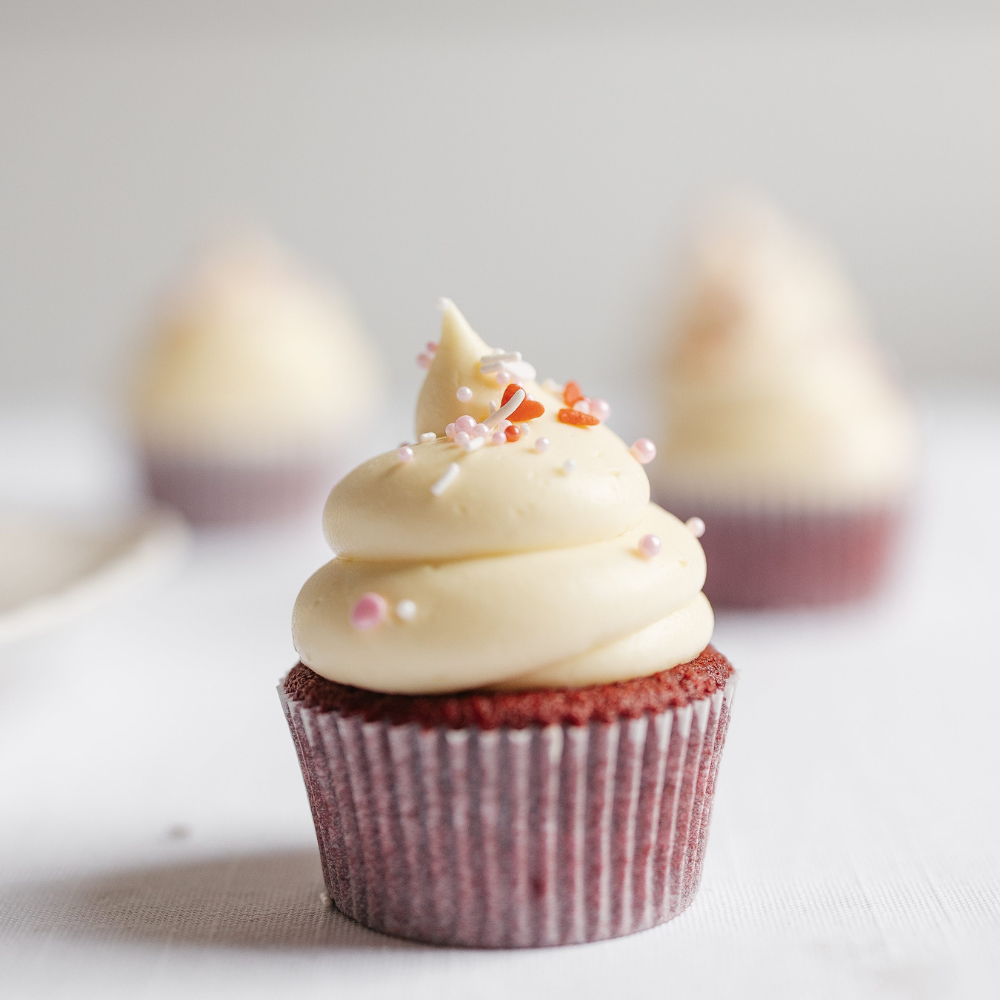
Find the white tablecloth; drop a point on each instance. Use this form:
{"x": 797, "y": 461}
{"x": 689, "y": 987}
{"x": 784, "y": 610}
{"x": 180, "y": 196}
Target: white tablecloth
{"x": 155, "y": 839}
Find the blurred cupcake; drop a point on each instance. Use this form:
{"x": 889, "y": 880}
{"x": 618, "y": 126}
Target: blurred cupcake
{"x": 508, "y": 714}
{"x": 253, "y": 380}
{"x": 784, "y": 433}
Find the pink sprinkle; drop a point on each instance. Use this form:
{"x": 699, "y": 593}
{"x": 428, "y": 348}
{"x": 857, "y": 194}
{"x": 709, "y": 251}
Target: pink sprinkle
{"x": 450, "y": 430}
{"x": 600, "y": 409}
{"x": 464, "y": 394}
{"x": 649, "y": 546}
{"x": 499, "y": 437}
{"x": 582, "y": 405}
{"x": 696, "y": 526}
{"x": 465, "y": 423}
{"x": 644, "y": 451}
{"x": 462, "y": 438}
{"x": 424, "y": 360}
{"x": 542, "y": 444}
{"x": 502, "y": 377}
{"x": 481, "y": 430}
{"x": 369, "y": 610}
{"x": 405, "y": 453}
{"x": 432, "y": 347}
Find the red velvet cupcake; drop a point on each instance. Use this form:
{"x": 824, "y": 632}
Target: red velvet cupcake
{"x": 783, "y": 433}
{"x": 507, "y": 712}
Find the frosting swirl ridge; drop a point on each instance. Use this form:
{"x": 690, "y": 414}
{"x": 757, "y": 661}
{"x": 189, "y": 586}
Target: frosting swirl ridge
{"x": 524, "y": 573}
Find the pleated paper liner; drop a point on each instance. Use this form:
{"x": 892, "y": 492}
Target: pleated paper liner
{"x": 788, "y": 557}
{"x": 505, "y": 838}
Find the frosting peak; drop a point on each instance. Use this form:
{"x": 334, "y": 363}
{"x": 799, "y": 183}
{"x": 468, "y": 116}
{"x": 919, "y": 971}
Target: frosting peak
{"x": 525, "y": 569}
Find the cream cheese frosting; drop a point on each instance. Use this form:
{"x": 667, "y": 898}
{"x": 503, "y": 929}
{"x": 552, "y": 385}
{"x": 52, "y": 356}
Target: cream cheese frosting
{"x": 252, "y": 358}
{"x": 522, "y": 573}
{"x": 774, "y": 391}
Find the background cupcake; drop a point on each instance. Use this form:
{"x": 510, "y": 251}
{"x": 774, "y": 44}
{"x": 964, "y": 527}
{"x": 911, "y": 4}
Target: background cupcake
{"x": 255, "y": 376}
{"x": 783, "y": 431}
{"x": 508, "y": 714}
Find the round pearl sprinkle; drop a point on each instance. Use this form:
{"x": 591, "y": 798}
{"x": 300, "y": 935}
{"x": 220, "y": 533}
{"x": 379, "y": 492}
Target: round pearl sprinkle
{"x": 431, "y": 347}
{"x": 499, "y": 438}
{"x": 427, "y": 436}
{"x": 480, "y": 430}
{"x": 569, "y": 466}
{"x": 450, "y": 430}
{"x": 502, "y": 377}
{"x": 696, "y": 526}
{"x": 424, "y": 360}
{"x": 649, "y": 546}
{"x": 465, "y": 423}
{"x": 525, "y": 429}
{"x": 464, "y": 394}
{"x": 405, "y": 453}
{"x": 582, "y": 405}
{"x": 643, "y": 451}
{"x": 600, "y": 409}
{"x": 462, "y": 438}
{"x": 406, "y": 610}
{"x": 542, "y": 444}
{"x": 369, "y": 610}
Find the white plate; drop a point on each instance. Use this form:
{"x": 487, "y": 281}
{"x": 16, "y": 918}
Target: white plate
{"x": 54, "y": 569}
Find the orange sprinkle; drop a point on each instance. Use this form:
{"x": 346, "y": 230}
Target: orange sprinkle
{"x": 572, "y": 394}
{"x": 577, "y": 418}
{"x": 508, "y": 392}
{"x": 512, "y": 433}
{"x": 528, "y": 410}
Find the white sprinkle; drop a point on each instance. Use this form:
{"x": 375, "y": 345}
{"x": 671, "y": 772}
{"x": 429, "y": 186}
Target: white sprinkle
{"x": 696, "y": 526}
{"x": 493, "y": 406}
{"x": 464, "y": 394}
{"x": 450, "y": 475}
{"x": 406, "y": 610}
{"x": 488, "y": 359}
{"x": 428, "y": 436}
{"x": 569, "y": 466}
{"x": 522, "y": 370}
{"x": 525, "y": 429}
{"x": 542, "y": 444}
{"x": 551, "y": 385}
{"x": 506, "y": 410}
{"x": 325, "y": 900}
{"x": 475, "y": 443}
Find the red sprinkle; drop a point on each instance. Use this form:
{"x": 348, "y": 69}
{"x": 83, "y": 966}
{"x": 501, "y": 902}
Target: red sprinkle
{"x": 577, "y": 418}
{"x": 572, "y": 393}
{"x": 512, "y": 433}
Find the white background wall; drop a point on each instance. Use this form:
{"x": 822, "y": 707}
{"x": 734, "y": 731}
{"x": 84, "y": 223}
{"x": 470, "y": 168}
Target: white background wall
{"x": 536, "y": 166}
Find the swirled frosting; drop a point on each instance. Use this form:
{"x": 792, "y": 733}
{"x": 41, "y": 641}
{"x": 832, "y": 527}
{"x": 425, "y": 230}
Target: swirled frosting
{"x": 523, "y": 574}
{"x": 774, "y": 390}
{"x": 252, "y": 357}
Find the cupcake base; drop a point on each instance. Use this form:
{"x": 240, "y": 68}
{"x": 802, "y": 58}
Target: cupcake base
{"x": 776, "y": 559}
{"x": 561, "y": 831}
{"x": 214, "y": 492}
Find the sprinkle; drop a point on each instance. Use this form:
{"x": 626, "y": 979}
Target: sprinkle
{"x": 465, "y": 423}
{"x": 582, "y": 406}
{"x": 522, "y": 370}
{"x": 474, "y": 444}
{"x": 428, "y": 436}
{"x": 325, "y": 900}
{"x": 480, "y": 430}
{"x": 424, "y": 360}
{"x": 525, "y": 429}
{"x": 493, "y": 406}
{"x": 506, "y": 410}
{"x": 462, "y": 438}
{"x": 369, "y": 610}
{"x": 495, "y": 362}
{"x": 572, "y": 392}
{"x": 569, "y": 466}
{"x": 600, "y": 408}
{"x": 450, "y": 430}
{"x": 405, "y": 453}
{"x": 551, "y": 385}
{"x": 431, "y": 347}
{"x": 512, "y": 433}
{"x": 464, "y": 394}
{"x": 528, "y": 410}
{"x": 542, "y": 444}
{"x": 406, "y": 610}
{"x": 450, "y": 475}
{"x": 575, "y": 418}
{"x": 696, "y": 526}
{"x": 643, "y": 451}
{"x": 502, "y": 377}
{"x": 499, "y": 438}
{"x": 649, "y": 546}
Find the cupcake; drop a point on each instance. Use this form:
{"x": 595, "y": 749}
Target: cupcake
{"x": 508, "y": 713}
{"x": 783, "y": 431}
{"x": 253, "y": 380}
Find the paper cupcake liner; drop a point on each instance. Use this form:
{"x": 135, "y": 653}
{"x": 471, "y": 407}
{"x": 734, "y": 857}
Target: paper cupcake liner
{"x": 510, "y": 838}
{"x": 785, "y": 558}
{"x": 209, "y": 491}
